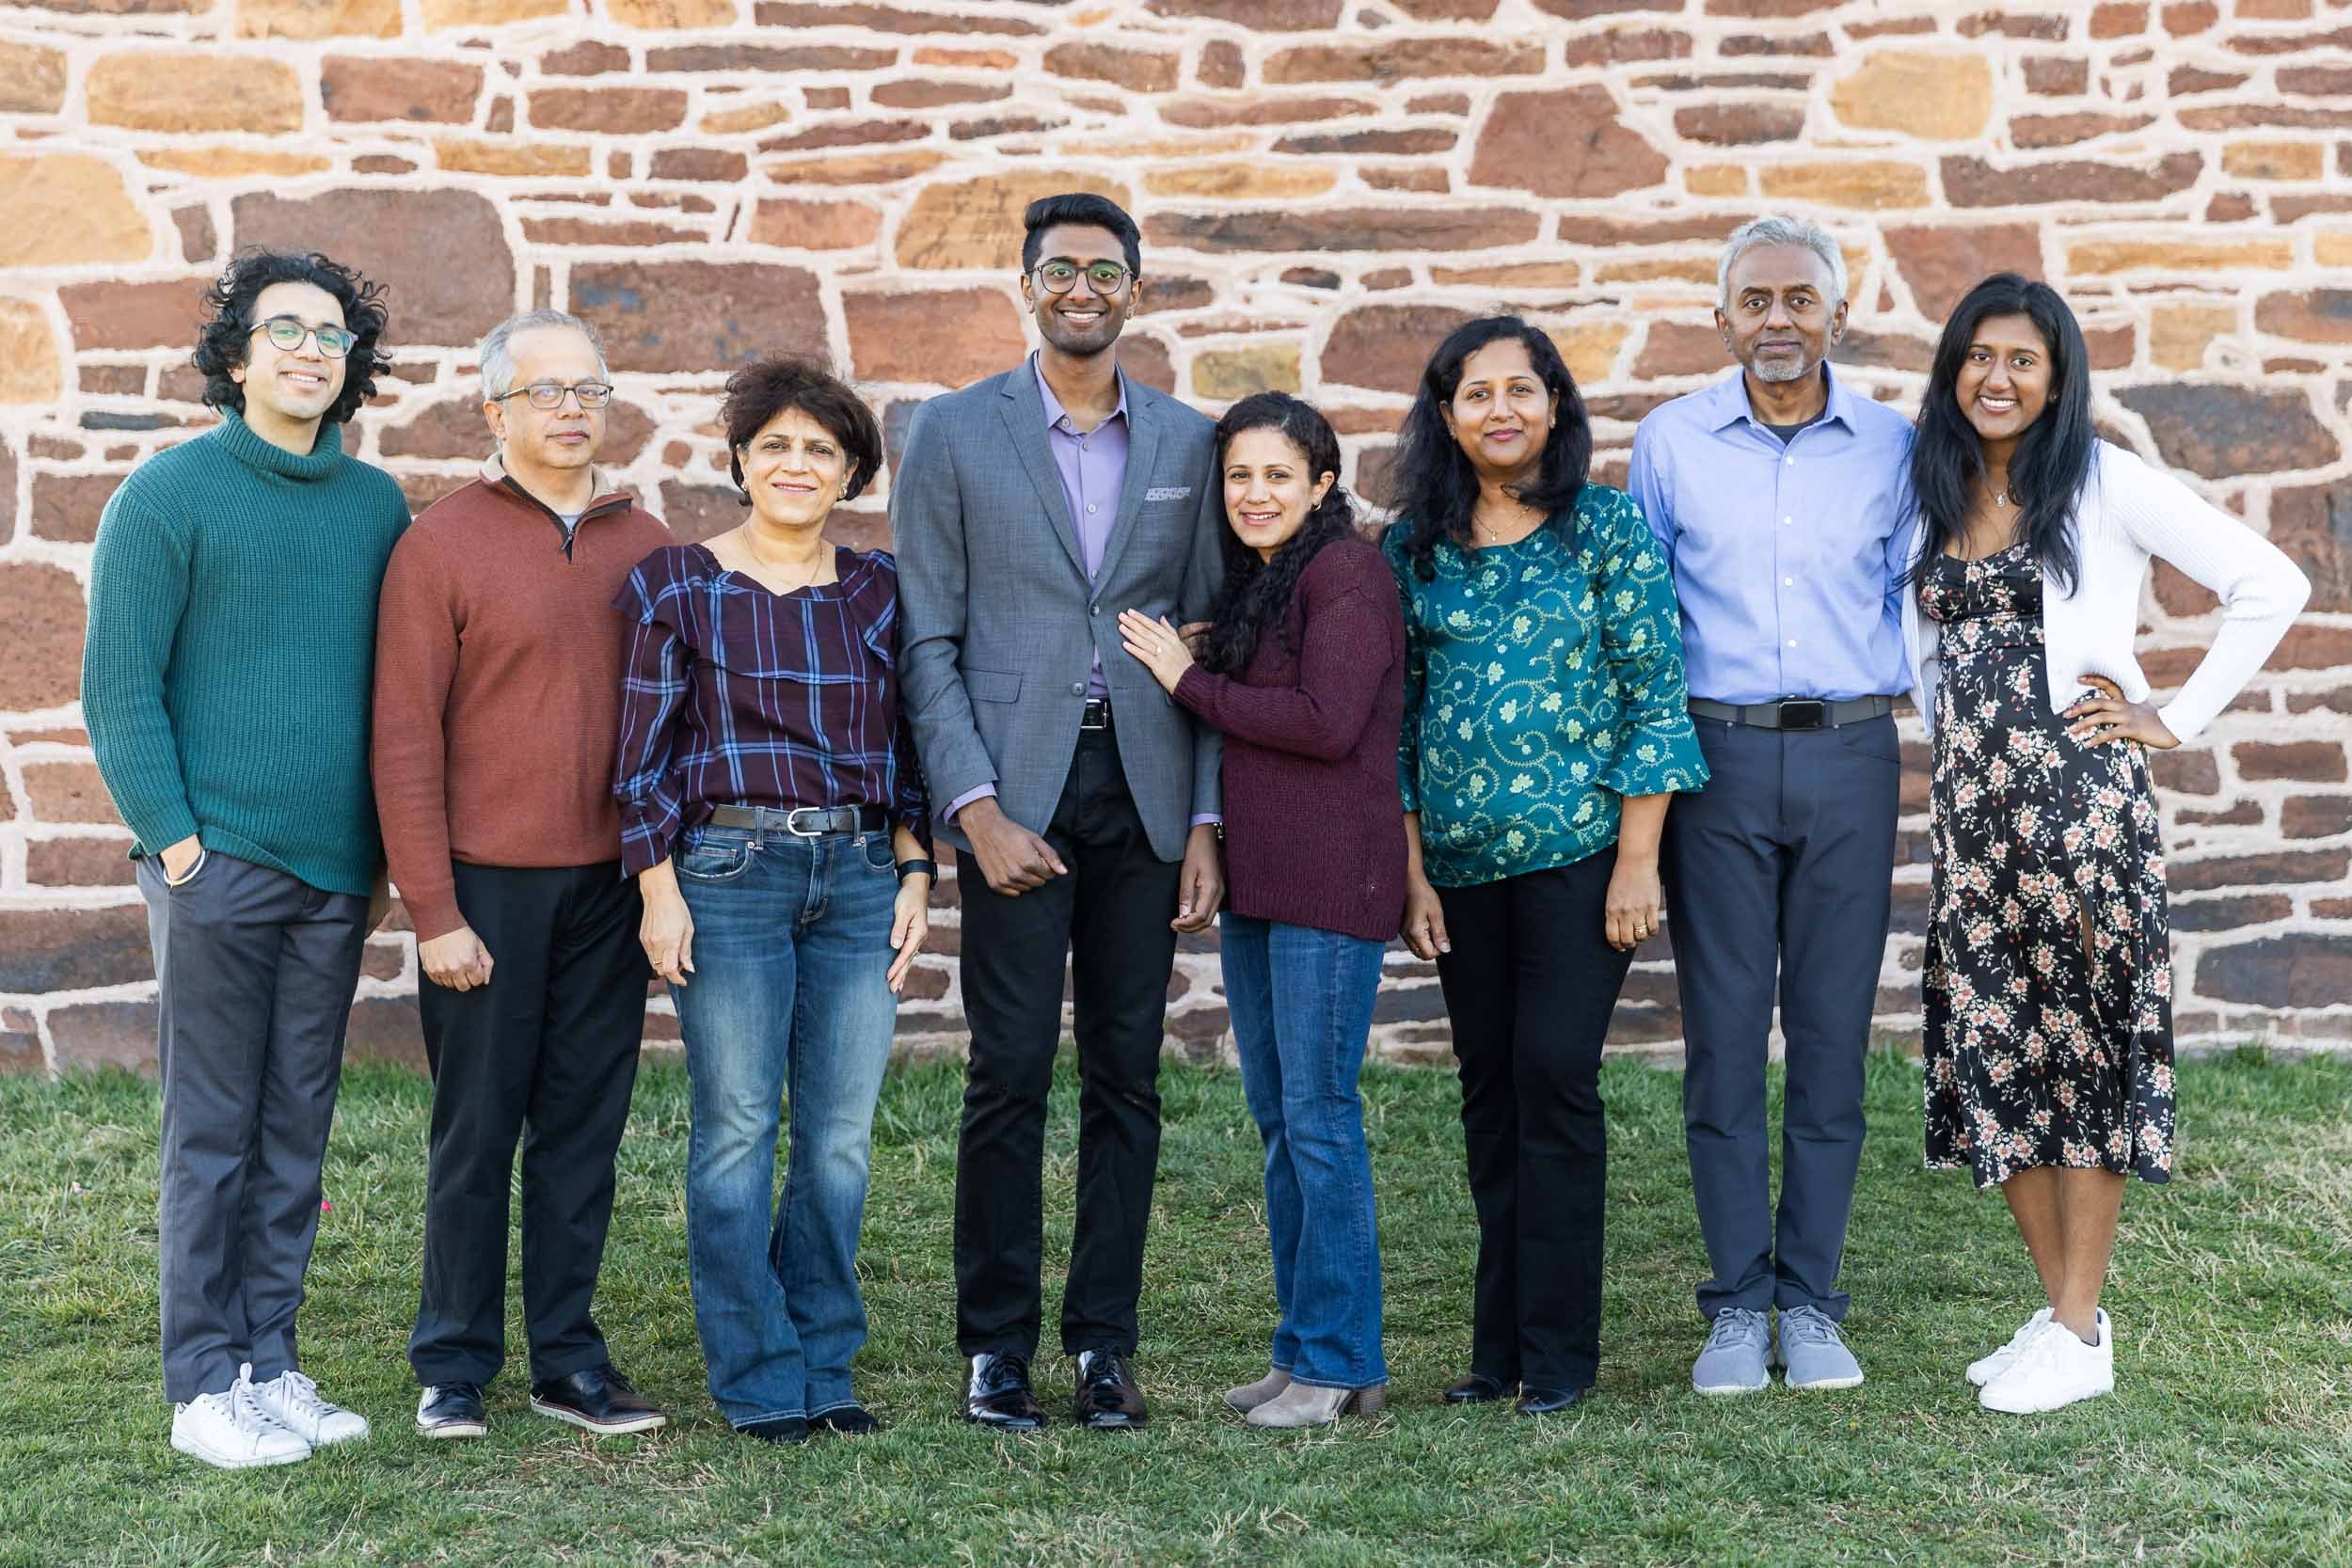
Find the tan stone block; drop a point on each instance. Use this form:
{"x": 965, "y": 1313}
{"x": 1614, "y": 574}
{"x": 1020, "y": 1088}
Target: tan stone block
{"x": 1696, "y": 270}
{"x": 231, "y": 163}
{"x": 745, "y": 117}
{"x": 1241, "y": 182}
{"x": 967, "y": 59}
{"x": 1511, "y": 274}
{"x": 671, "y": 13}
{"x": 2094, "y": 258}
{"x": 181, "y": 91}
{"x": 1161, "y": 150}
{"x": 318, "y": 19}
{"x": 528, "y": 159}
{"x": 32, "y": 79}
{"x": 30, "y": 371}
{"x": 2332, "y": 250}
{"x": 488, "y": 13}
{"x": 1228, "y": 374}
{"x": 862, "y": 168}
{"x": 1872, "y": 186}
{"x": 2177, "y": 334}
{"x": 1716, "y": 179}
{"x": 1590, "y": 348}
{"x": 2255, "y": 160}
{"x": 1939, "y": 97}
{"x": 67, "y": 207}
{"x": 815, "y": 225}
{"x": 976, "y": 223}
{"x": 933, "y": 336}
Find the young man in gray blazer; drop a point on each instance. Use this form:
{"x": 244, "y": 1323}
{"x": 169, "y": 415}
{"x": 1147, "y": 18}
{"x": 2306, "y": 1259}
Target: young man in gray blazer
{"x": 1027, "y": 511}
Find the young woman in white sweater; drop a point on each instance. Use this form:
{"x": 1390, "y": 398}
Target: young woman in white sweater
{"x": 2048, "y": 1036}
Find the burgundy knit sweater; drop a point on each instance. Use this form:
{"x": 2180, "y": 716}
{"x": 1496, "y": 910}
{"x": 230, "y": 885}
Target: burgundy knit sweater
{"x": 1314, "y": 825}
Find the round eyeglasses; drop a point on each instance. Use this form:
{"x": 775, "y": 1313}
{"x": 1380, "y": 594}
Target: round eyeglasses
{"x": 287, "y": 333}
{"x": 1103, "y": 278}
{"x": 546, "y": 395}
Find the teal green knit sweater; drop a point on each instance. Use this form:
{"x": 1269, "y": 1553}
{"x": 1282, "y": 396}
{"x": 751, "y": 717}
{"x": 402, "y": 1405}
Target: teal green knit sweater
{"x": 228, "y": 675}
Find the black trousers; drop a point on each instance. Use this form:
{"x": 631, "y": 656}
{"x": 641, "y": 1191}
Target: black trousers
{"x": 546, "y": 1052}
{"x": 1110, "y": 916}
{"x": 1529, "y": 986}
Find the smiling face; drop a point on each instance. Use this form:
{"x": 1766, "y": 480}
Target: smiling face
{"x": 795, "y": 469}
{"x": 1081, "y": 323}
{"x": 1268, "y": 489}
{"x": 286, "y": 388}
{"x": 1778, "y": 319}
{"x": 1502, "y": 411}
{"x": 2004, "y": 380}
{"x": 561, "y": 438}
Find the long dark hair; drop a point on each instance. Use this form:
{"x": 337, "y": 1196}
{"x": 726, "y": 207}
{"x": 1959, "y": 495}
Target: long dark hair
{"x": 2053, "y": 458}
{"x": 1256, "y": 593}
{"x": 1431, "y": 482}
{"x": 222, "y": 343}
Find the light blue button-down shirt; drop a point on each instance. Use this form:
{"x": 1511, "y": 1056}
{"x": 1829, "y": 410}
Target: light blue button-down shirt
{"x": 1788, "y": 559}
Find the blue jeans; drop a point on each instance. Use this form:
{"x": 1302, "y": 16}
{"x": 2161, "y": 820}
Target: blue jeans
{"x": 1302, "y": 1005}
{"x": 790, "y": 995}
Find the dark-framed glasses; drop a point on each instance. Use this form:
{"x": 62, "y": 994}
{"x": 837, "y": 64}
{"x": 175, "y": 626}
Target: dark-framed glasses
{"x": 547, "y": 395}
{"x": 1103, "y": 278}
{"x": 286, "y": 332}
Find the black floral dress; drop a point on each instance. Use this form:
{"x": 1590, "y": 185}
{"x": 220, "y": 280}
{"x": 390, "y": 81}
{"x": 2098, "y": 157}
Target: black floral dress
{"x": 2049, "y": 973}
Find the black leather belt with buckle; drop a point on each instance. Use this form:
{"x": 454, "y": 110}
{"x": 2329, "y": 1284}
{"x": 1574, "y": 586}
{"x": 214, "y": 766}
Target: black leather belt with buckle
{"x": 1794, "y": 713}
{"x": 1097, "y": 714}
{"x": 803, "y": 821}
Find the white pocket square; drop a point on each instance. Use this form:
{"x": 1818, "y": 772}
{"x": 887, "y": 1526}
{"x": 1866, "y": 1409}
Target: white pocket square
{"x": 1167, "y": 492}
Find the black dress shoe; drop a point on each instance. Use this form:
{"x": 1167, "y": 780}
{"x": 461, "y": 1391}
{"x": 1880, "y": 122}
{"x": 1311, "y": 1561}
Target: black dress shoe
{"x": 849, "y": 1420}
{"x": 999, "y": 1397}
{"x": 1548, "y": 1401}
{"x": 783, "y": 1429}
{"x": 599, "y": 1400}
{"x": 1108, "y": 1400}
{"x": 451, "y": 1410}
{"x": 1478, "y": 1388}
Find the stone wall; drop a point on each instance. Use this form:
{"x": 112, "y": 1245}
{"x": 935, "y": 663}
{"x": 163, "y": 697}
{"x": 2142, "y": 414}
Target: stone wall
{"x": 1325, "y": 185}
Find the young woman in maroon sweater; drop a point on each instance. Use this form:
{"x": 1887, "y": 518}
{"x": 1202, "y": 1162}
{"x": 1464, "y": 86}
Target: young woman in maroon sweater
{"x": 1300, "y": 667}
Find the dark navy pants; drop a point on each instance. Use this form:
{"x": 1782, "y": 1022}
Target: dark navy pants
{"x": 1777, "y": 881}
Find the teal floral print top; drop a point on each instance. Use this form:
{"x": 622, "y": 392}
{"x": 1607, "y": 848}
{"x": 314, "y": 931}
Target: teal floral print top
{"x": 1542, "y": 683}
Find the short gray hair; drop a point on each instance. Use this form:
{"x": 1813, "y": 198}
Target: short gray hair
{"x": 1779, "y": 229}
{"x": 497, "y": 355}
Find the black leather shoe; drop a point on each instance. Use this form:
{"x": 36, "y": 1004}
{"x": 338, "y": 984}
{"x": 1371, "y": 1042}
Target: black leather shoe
{"x": 1478, "y": 1388}
{"x": 849, "y": 1420}
{"x": 451, "y": 1410}
{"x": 783, "y": 1429}
{"x": 1548, "y": 1401}
{"x": 599, "y": 1400}
{"x": 1108, "y": 1400}
{"x": 999, "y": 1397}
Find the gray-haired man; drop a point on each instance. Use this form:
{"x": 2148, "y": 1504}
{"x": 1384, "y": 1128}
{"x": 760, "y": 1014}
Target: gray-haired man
{"x": 1777, "y": 493}
{"x": 498, "y": 698}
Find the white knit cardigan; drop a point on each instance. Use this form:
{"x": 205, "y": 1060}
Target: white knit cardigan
{"x": 2130, "y": 509}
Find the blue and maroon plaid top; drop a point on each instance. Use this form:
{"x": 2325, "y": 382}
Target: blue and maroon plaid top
{"x": 734, "y": 695}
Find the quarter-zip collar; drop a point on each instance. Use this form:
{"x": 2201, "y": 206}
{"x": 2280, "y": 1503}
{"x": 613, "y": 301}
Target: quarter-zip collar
{"x": 605, "y": 505}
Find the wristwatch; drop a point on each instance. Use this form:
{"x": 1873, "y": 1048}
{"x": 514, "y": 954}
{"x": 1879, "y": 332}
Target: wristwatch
{"x": 909, "y": 867}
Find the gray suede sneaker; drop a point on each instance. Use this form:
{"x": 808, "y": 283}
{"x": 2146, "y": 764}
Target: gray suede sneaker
{"x": 1733, "y": 1361}
{"x": 1814, "y": 1352}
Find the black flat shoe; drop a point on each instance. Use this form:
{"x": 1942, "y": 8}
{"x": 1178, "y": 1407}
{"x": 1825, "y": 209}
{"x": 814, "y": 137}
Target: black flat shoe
{"x": 1478, "y": 1388}
{"x": 999, "y": 1397}
{"x": 597, "y": 1400}
{"x": 451, "y": 1410}
{"x": 849, "y": 1420}
{"x": 783, "y": 1429}
{"x": 1107, "y": 1398}
{"x": 1548, "y": 1401}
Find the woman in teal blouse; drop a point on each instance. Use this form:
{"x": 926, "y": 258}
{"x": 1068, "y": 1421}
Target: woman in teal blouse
{"x": 1544, "y": 730}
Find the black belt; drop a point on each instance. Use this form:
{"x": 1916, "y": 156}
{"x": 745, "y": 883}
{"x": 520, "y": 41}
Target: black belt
{"x": 1097, "y": 714}
{"x": 1795, "y": 713}
{"x": 803, "y": 821}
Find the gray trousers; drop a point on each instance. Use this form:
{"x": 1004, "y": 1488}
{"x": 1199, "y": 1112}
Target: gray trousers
{"x": 1778, "y": 878}
{"x": 255, "y": 971}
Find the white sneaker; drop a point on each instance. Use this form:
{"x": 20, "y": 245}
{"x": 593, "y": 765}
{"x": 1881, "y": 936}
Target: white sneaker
{"x": 1985, "y": 1369}
{"x": 231, "y": 1430}
{"x": 292, "y": 1401}
{"x": 2054, "y": 1370}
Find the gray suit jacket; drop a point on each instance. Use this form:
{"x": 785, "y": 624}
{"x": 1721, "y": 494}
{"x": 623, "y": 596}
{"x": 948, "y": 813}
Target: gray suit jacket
{"x": 1000, "y": 625}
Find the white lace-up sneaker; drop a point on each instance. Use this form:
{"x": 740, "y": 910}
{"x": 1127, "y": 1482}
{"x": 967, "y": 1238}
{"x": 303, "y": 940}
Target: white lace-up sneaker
{"x": 1985, "y": 1369}
{"x": 231, "y": 1430}
{"x": 292, "y": 1400}
{"x": 2054, "y": 1370}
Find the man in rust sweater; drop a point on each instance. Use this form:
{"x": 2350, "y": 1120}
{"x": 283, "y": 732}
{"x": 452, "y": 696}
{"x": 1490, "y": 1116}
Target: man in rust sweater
{"x": 498, "y": 688}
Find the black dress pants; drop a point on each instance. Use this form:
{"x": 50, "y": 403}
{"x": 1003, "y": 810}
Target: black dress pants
{"x": 546, "y": 1052}
{"x": 1530, "y": 987}
{"x": 1110, "y": 916}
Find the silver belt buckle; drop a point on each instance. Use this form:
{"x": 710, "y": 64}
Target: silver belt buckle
{"x": 1096, "y": 715}
{"x": 792, "y": 822}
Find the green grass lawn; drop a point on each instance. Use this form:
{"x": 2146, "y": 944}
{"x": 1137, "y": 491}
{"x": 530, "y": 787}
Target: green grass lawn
{"x": 2229, "y": 1440}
